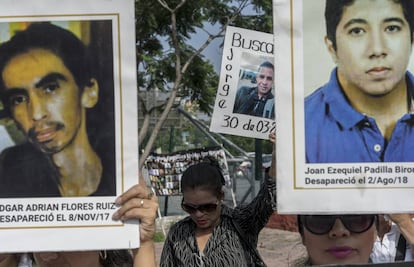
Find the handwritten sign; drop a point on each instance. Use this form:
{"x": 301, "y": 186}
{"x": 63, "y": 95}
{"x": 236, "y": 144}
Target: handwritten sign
{"x": 245, "y": 102}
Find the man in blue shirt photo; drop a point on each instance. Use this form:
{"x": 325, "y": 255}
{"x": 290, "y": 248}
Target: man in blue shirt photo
{"x": 365, "y": 111}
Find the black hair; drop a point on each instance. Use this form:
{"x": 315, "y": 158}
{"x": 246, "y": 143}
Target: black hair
{"x": 334, "y": 10}
{"x": 69, "y": 48}
{"x": 300, "y": 224}
{"x": 266, "y": 64}
{"x": 206, "y": 175}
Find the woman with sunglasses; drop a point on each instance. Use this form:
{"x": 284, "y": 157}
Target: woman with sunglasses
{"x": 214, "y": 234}
{"x": 338, "y": 239}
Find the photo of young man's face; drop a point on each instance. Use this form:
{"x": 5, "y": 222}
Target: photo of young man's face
{"x": 373, "y": 46}
{"x": 317, "y": 46}
{"x": 264, "y": 80}
{"x": 44, "y": 99}
{"x": 50, "y": 91}
{"x": 357, "y": 110}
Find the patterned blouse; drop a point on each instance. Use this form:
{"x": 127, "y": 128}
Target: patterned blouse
{"x": 233, "y": 242}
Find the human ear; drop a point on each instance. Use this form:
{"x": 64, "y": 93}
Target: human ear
{"x": 90, "y": 92}
{"x": 221, "y": 196}
{"x": 331, "y": 49}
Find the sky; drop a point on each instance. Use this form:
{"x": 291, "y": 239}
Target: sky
{"x": 213, "y": 52}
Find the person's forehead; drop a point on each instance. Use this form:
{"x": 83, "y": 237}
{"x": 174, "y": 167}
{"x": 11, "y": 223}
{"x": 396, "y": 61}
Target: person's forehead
{"x": 364, "y": 9}
{"x": 266, "y": 70}
{"x": 31, "y": 66}
{"x": 35, "y": 55}
{"x": 198, "y": 196}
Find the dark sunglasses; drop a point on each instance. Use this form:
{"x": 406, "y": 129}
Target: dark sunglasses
{"x": 322, "y": 224}
{"x": 210, "y": 207}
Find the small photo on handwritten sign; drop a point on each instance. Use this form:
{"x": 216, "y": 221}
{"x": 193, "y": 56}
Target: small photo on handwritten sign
{"x": 245, "y": 102}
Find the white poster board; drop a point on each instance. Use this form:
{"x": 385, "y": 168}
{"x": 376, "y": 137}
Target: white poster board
{"x": 243, "y": 55}
{"x": 322, "y": 187}
{"x": 35, "y": 214}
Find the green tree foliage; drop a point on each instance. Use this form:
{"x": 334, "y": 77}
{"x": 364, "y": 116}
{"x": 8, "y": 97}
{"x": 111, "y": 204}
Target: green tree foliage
{"x": 167, "y": 61}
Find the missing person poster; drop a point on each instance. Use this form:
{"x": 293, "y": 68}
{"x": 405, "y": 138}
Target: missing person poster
{"x": 68, "y": 108}
{"x": 165, "y": 170}
{"x": 344, "y": 106}
{"x": 245, "y": 101}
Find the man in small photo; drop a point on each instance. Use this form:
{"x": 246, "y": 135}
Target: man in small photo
{"x": 47, "y": 85}
{"x": 257, "y": 100}
{"x": 365, "y": 111}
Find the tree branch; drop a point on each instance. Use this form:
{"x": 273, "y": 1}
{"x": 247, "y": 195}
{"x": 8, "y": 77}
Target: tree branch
{"x": 164, "y": 5}
{"x": 211, "y": 37}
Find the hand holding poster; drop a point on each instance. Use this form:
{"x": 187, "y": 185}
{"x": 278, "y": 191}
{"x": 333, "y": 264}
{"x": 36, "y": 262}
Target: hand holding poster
{"x": 245, "y": 98}
{"x": 345, "y": 106}
{"x": 63, "y": 88}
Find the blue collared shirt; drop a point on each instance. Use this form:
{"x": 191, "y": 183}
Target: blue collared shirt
{"x": 335, "y": 132}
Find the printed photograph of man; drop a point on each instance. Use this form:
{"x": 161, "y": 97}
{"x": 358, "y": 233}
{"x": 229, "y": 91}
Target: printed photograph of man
{"x": 257, "y": 99}
{"x": 49, "y": 82}
{"x": 364, "y": 113}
